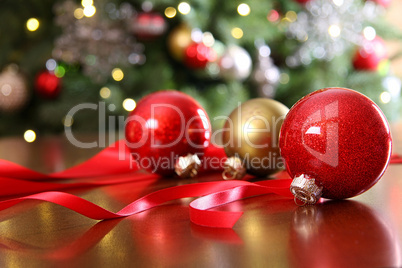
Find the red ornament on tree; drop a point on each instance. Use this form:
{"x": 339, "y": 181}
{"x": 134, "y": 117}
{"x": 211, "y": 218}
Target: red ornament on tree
{"x": 148, "y": 26}
{"x": 384, "y": 3}
{"x": 337, "y": 141}
{"x": 164, "y": 126}
{"x": 370, "y": 55}
{"x": 48, "y": 85}
{"x": 198, "y": 55}
{"x": 303, "y": 1}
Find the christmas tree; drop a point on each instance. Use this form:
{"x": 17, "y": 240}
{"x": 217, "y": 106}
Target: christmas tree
{"x": 72, "y": 64}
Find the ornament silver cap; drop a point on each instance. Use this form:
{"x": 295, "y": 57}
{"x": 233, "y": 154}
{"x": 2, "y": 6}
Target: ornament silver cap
{"x": 187, "y": 166}
{"x": 233, "y": 169}
{"x": 305, "y": 189}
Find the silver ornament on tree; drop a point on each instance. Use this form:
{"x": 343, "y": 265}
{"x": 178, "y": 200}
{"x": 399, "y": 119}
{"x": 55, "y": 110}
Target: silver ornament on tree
{"x": 266, "y": 74}
{"x": 13, "y": 90}
{"x": 99, "y": 42}
{"x": 326, "y": 29}
{"x": 235, "y": 64}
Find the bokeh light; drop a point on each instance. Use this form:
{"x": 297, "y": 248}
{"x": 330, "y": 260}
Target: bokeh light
{"x": 29, "y": 136}
{"x": 89, "y": 11}
{"x": 237, "y": 33}
{"x": 184, "y": 8}
{"x": 129, "y": 104}
{"x": 243, "y": 9}
{"x": 105, "y": 92}
{"x": 117, "y": 74}
{"x": 32, "y": 24}
{"x": 170, "y": 12}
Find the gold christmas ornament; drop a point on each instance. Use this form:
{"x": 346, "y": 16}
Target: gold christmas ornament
{"x": 179, "y": 39}
{"x": 251, "y": 133}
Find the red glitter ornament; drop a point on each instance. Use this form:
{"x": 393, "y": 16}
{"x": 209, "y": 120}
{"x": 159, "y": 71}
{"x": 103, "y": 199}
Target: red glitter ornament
{"x": 48, "y": 85}
{"x": 335, "y": 140}
{"x": 198, "y": 55}
{"x": 164, "y": 126}
{"x": 370, "y": 55}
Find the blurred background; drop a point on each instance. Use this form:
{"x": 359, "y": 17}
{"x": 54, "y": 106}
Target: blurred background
{"x": 55, "y": 55}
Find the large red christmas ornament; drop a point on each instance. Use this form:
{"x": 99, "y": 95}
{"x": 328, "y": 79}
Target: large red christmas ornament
{"x": 48, "y": 85}
{"x": 335, "y": 141}
{"x": 164, "y": 126}
{"x": 148, "y": 26}
{"x": 370, "y": 55}
{"x": 198, "y": 55}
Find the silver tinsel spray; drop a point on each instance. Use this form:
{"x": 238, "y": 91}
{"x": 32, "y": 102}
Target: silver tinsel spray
{"x": 328, "y": 28}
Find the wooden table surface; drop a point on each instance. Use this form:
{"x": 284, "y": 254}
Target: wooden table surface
{"x": 365, "y": 231}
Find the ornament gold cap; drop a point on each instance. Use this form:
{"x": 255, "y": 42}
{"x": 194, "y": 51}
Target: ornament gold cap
{"x": 233, "y": 169}
{"x": 187, "y": 166}
{"x": 305, "y": 189}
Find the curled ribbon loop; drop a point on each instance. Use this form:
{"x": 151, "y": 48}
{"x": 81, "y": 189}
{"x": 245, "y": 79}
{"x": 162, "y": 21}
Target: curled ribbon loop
{"x": 216, "y": 194}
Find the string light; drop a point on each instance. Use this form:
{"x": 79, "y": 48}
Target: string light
{"x": 291, "y": 16}
{"x": 129, "y": 104}
{"x": 105, "y": 92}
{"x": 79, "y": 13}
{"x": 243, "y": 9}
{"x": 237, "y": 33}
{"x": 51, "y": 64}
{"x": 334, "y": 30}
{"x": 29, "y": 136}
{"x": 117, "y": 74}
{"x": 170, "y": 12}
{"x": 184, "y": 8}
{"x": 369, "y": 33}
{"x": 87, "y": 3}
{"x": 89, "y": 11}
{"x": 59, "y": 71}
{"x": 68, "y": 121}
{"x": 208, "y": 39}
{"x": 32, "y": 24}
{"x": 385, "y": 97}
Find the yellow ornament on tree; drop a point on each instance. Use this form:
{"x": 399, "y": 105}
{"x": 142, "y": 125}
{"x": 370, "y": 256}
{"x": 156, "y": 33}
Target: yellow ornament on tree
{"x": 179, "y": 39}
{"x": 251, "y": 133}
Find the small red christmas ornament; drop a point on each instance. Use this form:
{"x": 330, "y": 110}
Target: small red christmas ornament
{"x": 303, "y": 1}
{"x": 164, "y": 126}
{"x": 48, "y": 85}
{"x": 335, "y": 141}
{"x": 148, "y": 26}
{"x": 198, "y": 55}
{"x": 370, "y": 55}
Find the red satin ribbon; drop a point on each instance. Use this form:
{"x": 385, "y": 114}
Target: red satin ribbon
{"x": 114, "y": 160}
{"x": 217, "y": 193}
{"x": 395, "y": 159}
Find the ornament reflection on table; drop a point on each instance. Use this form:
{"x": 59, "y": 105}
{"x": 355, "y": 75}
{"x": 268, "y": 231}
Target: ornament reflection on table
{"x": 164, "y": 126}
{"x": 336, "y": 143}
{"x": 366, "y": 239}
{"x": 251, "y": 134}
